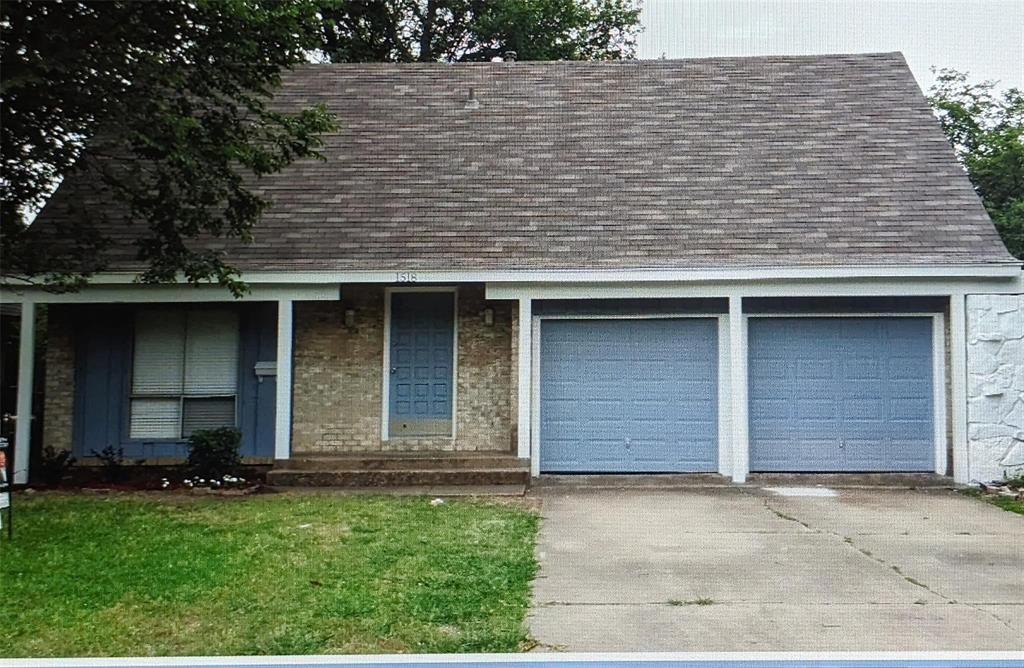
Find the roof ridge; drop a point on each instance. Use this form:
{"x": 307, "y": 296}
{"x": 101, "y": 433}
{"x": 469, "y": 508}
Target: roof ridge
{"x": 893, "y": 55}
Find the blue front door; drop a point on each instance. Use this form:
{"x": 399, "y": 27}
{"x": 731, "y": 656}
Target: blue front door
{"x": 629, "y": 395}
{"x": 841, "y": 394}
{"x": 421, "y": 360}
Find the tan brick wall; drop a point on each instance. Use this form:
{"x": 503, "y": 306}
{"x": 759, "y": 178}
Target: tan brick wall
{"x": 338, "y": 377}
{"x": 59, "y": 388}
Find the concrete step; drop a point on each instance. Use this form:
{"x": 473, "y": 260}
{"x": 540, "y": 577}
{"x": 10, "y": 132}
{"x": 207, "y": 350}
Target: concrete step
{"x": 402, "y": 461}
{"x": 407, "y": 477}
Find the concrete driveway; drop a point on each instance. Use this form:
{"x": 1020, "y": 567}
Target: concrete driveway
{"x": 719, "y": 569}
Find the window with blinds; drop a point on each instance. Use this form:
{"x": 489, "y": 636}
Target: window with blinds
{"x": 184, "y": 372}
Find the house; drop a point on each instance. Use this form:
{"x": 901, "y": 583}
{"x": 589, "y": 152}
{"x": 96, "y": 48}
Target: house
{"x": 726, "y": 265}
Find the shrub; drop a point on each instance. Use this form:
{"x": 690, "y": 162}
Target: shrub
{"x": 112, "y": 460}
{"x": 213, "y": 453}
{"x": 53, "y": 464}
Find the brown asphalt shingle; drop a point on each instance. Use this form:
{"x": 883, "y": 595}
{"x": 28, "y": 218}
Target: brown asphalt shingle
{"x": 767, "y": 161}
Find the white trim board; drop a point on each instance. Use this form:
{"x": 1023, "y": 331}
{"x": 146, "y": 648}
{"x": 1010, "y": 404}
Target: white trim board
{"x": 405, "y": 274}
{"x": 135, "y": 294}
{"x": 821, "y": 287}
{"x": 385, "y": 413}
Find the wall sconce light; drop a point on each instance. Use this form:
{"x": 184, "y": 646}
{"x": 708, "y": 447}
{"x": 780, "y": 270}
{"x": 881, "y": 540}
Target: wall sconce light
{"x": 350, "y": 318}
{"x": 489, "y": 317}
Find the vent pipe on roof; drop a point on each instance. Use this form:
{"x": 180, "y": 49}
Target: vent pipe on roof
{"x": 471, "y": 101}
{"x": 510, "y": 56}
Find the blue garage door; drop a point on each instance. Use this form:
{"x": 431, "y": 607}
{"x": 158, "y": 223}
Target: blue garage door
{"x": 629, "y": 395}
{"x": 841, "y": 394}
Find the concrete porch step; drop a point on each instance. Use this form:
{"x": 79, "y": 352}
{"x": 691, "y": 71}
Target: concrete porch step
{"x": 402, "y": 462}
{"x": 402, "y": 477}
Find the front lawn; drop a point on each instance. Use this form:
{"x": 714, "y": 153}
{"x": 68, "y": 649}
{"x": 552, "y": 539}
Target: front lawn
{"x": 268, "y": 574}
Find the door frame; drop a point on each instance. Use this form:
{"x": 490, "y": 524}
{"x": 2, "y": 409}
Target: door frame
{"x": 722, "y": 332}
{"x": 385, "y": 412}
{"x": 938, "y": 322}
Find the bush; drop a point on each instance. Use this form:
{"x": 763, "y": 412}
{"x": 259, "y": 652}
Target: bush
{"x": 213, "y": 453}
{"x": 53, "y": 464}
{"x": 112, "y": 460}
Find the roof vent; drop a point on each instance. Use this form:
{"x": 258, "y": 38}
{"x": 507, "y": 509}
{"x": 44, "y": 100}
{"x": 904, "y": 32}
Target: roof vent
{"x": 510, "y": 56}
{"x": 471, "y": 101}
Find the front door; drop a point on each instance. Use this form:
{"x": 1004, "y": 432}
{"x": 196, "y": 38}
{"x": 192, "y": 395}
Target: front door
{"x": 421, "y": 359}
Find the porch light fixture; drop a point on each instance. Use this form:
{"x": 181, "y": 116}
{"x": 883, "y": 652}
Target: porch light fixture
{"x": 489, "y": 317}
{"x": 350, "y": 318}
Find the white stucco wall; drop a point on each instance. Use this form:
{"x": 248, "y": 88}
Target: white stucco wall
{"x": 995, "y": 385}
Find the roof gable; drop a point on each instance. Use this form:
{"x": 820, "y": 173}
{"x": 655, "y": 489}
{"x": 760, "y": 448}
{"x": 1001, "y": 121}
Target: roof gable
{"x": 773, "y": 161}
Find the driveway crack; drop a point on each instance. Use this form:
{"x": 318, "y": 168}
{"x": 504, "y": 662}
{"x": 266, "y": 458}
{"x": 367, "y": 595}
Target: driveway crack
{"x": 848, "y": 540}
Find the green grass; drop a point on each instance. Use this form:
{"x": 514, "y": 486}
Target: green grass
{"x": 1004, "y": 502}
{"x": 134, "y": 575}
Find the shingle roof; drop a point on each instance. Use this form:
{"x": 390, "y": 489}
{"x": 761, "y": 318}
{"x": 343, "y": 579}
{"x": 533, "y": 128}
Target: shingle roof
{"x": 766, "y": 161}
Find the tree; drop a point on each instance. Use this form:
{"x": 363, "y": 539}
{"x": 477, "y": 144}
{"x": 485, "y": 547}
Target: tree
{"x": 478, "y": 30}
{"x": 162, "y": 104}
{"x": 986, "y": 129}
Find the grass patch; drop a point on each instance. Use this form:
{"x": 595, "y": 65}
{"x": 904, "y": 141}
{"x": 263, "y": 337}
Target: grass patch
{"x": 1005, "y": 502}
{"x": 274, "y": 574}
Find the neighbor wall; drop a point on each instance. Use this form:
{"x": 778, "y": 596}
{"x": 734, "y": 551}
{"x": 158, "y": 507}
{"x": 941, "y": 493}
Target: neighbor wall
{"x": 995, "y": 385}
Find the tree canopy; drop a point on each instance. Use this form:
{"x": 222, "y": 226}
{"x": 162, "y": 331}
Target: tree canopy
{"x": 478, "y": 30}
{"x": 165, "y": 105}
{"x": 986, "y": 128}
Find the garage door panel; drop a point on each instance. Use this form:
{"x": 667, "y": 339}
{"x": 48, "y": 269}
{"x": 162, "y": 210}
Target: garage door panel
{"x": 859, "y": 398}
{"x": 629, "y": 395}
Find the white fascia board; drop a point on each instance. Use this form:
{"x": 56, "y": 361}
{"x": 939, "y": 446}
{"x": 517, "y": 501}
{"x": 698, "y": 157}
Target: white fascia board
{"x": 404, "y": 275}
{"x": 99, "y": 293}
{"x": 821, "y": 287}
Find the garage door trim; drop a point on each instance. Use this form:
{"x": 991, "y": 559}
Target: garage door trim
{"x": 724, "y": 441}
{"x": 939, "y": 379}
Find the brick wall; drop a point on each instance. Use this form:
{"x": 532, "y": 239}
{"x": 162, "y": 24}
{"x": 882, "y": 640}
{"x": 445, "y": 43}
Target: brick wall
{"x": 337, "y": 373}
{"x": 59, "y": 388}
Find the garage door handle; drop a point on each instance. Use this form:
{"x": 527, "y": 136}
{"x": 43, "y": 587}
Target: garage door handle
{"x": 628, "y": 443}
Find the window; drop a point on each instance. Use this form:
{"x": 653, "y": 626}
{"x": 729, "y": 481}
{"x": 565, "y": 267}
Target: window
{"x": 184, "y": 372}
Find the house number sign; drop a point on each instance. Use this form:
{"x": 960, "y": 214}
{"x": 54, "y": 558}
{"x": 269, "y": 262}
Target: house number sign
{"x": 405, "y": 277}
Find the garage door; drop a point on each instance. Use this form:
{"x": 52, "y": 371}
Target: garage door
{"x": 841, "y": 394}
{"x": 629, "y": 395}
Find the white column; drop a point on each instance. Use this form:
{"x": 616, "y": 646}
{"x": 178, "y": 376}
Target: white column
{"x": 724, "y": 398}
{"x": 738, "y": 389}
{"x": 958, "y": 383}
{"x": 283, "y": 404}
{"x": 524, "y": 394}
{"x": 26, "y": 367}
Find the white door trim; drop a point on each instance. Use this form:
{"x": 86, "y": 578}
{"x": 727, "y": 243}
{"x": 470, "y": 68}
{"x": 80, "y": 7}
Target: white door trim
{"x": 385, "y": 411}
{"x": 938, "y": 366}
{"x": 535, "y": 371}
{"x": 939, "y": 391}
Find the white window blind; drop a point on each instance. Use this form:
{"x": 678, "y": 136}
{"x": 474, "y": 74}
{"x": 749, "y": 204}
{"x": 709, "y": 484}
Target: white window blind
{"x": 184, "y": 372}
{"x": 206, "y": 413}
{"x": 159, "y": 353}
{"x": 155, "y": 418}
{"x": 211, "y": 353}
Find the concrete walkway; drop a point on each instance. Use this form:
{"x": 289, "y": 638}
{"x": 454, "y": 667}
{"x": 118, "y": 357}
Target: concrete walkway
{"x": 744, "y": 569}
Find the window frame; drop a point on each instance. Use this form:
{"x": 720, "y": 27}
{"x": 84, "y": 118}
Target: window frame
{"x": 131, "y": 395}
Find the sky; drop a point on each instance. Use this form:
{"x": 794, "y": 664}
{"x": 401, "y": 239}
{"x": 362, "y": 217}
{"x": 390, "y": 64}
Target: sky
{"x": 982, "y": 37}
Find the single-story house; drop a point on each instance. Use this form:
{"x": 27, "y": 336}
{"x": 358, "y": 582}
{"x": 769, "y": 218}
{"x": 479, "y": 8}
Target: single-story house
{"x": 724, "y": 265}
